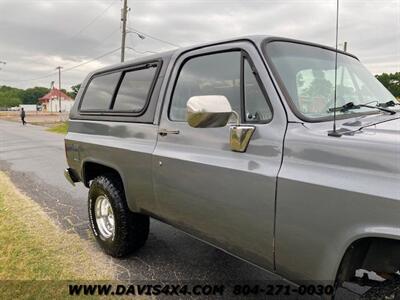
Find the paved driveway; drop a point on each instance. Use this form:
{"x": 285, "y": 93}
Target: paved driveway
{"x": 35, "y": 159}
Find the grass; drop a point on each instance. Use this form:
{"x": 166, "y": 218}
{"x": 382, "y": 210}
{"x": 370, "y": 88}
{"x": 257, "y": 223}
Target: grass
{"x": 34, "y": 250}
{"x": 61, "y": 128}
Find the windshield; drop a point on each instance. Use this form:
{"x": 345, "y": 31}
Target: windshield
{"x": 308, "y": 75}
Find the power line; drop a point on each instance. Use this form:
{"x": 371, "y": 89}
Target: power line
{"x": 32, "y": 79}
{"x": 74, "y": 36}
{"x": 93, "y": 20}
{"x": 132, "y": 48}
{"x": 66, "y": 69}
{"x": 73, "y": 67}
{"x": 130, "y": 38}
{"x": 141, "y": 52}
{"x": 153, "y": 37}
{"x": 96, "y": 58}
{"x": 105, "y": 54}
{"x": 91, "y": 60}
{"x": 106, "y": 38}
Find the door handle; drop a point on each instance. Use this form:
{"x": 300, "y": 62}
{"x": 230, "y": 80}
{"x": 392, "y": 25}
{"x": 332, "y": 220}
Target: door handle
{"x": 164, "y": 132}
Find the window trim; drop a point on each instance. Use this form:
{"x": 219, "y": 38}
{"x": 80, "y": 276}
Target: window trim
{"x": 246, "y": 56}
{"x": 122, "y": 71}
{"x": 243, "y": 55}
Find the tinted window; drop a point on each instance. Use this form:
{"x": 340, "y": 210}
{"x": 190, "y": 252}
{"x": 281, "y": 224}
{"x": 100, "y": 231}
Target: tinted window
{"x": 214, "y": 74}
{"x": 256, "y": 106}
{"x": 134, "y": 89}
{"x": 100, "y": 91}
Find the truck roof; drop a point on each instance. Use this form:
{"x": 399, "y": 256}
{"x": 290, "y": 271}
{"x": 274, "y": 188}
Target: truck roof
{"x": 253, "y": 38}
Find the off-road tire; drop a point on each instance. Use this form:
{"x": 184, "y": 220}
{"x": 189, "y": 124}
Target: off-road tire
{"x": 131, "y": 229}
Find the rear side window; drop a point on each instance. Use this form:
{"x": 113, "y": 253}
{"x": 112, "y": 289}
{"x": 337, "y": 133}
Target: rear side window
{"x": 134, "y": 90}
{"x": 123, "y": 91}
{"x": 99, "y": 93}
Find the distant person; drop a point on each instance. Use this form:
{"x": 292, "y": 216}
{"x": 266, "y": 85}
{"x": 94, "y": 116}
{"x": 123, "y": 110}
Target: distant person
{"x": 23, "y": 116}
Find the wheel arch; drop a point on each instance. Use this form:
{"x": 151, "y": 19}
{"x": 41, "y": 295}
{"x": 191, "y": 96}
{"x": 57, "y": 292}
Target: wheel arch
{"x": 370, "y": 252}
{"x": 92, "y": 168}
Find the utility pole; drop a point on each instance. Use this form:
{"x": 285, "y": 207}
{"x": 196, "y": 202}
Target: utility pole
{"x": 59, "y": 88}
{"x": 124, "y": 14}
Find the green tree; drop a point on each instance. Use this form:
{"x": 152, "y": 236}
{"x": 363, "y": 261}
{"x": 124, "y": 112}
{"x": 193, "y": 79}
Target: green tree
{"x": 11, "y": 91}
{"x": 10, "y": 96}
{"x": 391, "y": 81}
{"x": 31, "y": 95}
{"x": 6, "y": 102}
{"x": 75, "y": 90}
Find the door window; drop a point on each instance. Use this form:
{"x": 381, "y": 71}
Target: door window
{"x": 226, "y": 74}
{"x": 215, "y": 74}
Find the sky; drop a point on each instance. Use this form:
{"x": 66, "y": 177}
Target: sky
{"x": 36, "y": 36}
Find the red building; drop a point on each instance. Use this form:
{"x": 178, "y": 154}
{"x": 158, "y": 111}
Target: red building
{"x": 50, "y": 102}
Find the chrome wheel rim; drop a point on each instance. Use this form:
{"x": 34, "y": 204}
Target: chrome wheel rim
{"x": 104, "y": 217}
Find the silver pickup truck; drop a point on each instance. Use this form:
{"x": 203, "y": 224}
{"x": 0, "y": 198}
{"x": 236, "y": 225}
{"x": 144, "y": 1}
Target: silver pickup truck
{"x": 232, "y": 143}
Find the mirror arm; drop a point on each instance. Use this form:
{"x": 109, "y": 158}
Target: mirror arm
{"x": 237, "y": 117}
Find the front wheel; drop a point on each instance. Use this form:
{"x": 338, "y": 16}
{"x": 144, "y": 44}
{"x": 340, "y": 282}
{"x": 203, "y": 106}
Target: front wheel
{"x": 118, "y": 231}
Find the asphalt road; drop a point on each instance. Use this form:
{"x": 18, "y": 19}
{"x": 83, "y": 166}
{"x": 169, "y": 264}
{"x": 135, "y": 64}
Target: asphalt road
{"x": 35, "y": 159}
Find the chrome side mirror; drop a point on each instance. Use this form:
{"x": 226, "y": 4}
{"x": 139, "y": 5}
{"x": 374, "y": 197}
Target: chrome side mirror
{"x": 208, "y": 111}
{"x": 216, "y": 111}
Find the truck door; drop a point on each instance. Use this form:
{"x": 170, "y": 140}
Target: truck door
{"x": 223, "y": 197}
